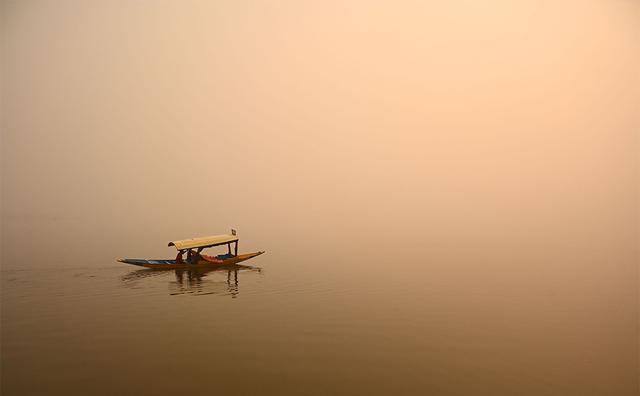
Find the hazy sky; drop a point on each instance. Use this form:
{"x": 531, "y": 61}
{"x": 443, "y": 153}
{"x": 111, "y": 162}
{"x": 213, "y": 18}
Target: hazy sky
{"x": 450, "y": 119}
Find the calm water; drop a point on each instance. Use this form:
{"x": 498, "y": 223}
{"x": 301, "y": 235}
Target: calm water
{"x": 337, "y": 319}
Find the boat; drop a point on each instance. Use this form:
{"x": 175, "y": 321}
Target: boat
{"x": 195, "y": 259}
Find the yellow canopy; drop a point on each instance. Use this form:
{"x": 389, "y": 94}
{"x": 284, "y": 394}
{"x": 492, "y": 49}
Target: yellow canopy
{"x": 209, "y": 241}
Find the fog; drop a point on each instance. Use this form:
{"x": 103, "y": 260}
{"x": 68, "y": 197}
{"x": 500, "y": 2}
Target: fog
{"x": 448, "y": 120}
{"x": 496, "y": 140}
{"x": 352, "y": 124}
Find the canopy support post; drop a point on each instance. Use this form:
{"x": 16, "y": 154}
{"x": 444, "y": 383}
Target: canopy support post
{"x": 236, "y": 248}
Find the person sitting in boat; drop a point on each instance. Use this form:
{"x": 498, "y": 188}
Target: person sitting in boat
{"x": 192, "y": 257}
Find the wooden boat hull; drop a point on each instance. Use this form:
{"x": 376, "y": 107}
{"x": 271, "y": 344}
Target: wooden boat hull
{"x": 171, "y": 264}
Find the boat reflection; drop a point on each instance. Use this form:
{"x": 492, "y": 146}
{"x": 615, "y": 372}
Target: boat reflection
{"x": 196, "y": 281}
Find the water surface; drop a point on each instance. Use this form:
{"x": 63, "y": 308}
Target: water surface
{"x": 403, "y": 320}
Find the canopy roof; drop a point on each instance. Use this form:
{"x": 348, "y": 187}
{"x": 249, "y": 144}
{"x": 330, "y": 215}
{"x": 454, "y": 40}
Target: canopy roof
{"x": 209, "y": 241}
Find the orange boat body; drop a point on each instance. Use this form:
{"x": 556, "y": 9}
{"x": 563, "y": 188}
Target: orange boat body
{"x": 203, "y": 262}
